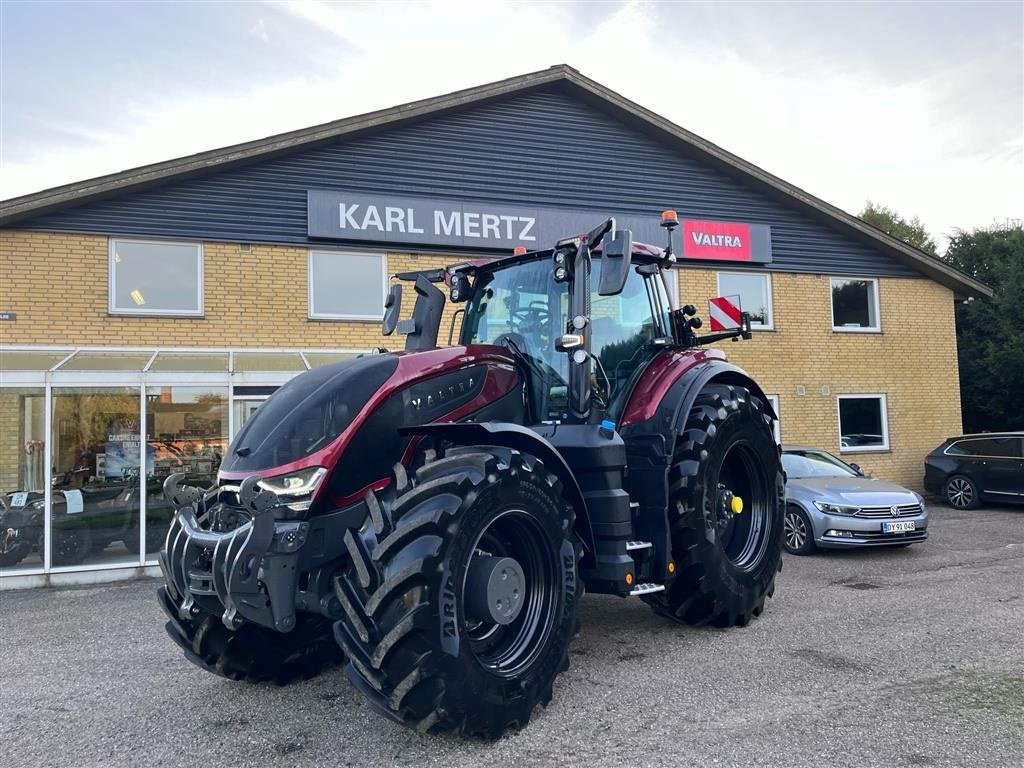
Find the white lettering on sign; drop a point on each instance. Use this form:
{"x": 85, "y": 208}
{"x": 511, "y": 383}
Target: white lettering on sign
{"x": 394, "y": 219}
{"x": 727, "y": 241}
{"x": 413, "y": 229}
{"x": 490, "y": 224}
{"x": 346, "y": 215}
{"x": 451, "y": 225}
{"x": 372, "y": 218}
{"x": 484, "y": 226}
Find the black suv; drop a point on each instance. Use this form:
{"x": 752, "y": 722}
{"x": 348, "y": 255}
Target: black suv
{"x": 971, "y": 468}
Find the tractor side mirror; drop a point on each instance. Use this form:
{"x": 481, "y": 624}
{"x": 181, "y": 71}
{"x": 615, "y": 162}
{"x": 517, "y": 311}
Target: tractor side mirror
{"x": 616, "y": 258}
{"x": 392, "y": 309}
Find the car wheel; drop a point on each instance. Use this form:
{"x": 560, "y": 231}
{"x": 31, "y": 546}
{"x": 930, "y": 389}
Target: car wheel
{"x": 962, "y": 493}
{"x": 798, "y": 535}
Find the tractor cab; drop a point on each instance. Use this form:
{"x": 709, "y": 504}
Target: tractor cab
{"x": 519, "y": 306}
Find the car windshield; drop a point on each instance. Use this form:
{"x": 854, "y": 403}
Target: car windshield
{"x": 814, "y": 464}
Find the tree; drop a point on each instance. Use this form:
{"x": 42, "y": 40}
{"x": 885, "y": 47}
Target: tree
{"x": 910, "y": 231}
{"x": 990, "y": 331}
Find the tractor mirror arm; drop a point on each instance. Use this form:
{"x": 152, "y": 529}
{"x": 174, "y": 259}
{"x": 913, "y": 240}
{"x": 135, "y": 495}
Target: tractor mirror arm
{"x": 743, "y": 332}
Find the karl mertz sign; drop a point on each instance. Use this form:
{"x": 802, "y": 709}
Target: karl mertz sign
{"x": 335, "y": 215}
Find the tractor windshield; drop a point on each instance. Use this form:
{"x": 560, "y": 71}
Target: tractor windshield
{"x": 523, "y": 308}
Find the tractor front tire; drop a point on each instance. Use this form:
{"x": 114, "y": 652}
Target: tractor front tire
{"x": 725, "y": 560}
{"x": 460, "y": 599}
{"x": 252, "y": 653}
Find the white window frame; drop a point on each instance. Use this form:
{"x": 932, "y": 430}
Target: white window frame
{"x": 344, "y": 252}
{"x": 769, "y": 324}
{"x": 877, "y": 327}
{"x": 777, "y": 426}
{"x": 112, "y": 288}
{"x": 885, "y": 423}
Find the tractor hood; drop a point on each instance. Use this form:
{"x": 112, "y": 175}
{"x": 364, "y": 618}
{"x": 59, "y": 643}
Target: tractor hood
{"x": 306, "y": 414}
{"x": 311, "y": 420}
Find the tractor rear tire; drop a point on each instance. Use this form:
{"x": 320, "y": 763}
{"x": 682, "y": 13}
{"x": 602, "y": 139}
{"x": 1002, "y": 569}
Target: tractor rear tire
{"x": 252, "y": 653}
{"x": 725, "y": 562}
{"x": 415, "y": 626}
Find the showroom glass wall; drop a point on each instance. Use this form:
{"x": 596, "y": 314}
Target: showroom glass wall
{"x": 88, "y": 436}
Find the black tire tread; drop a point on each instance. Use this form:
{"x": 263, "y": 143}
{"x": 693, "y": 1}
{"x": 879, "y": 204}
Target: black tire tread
{"x": 384, "y": 629}
{"x": 250, "y": 653}
{"x": 690, "y": 599}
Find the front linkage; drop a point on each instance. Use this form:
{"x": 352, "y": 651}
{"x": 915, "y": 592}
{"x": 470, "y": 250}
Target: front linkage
{"x": 226, "y": 555}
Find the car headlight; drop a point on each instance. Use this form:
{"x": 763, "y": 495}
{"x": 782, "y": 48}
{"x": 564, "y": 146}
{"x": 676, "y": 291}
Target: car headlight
{"x": 836, "y": 509}
{"x": 294, "y": 489}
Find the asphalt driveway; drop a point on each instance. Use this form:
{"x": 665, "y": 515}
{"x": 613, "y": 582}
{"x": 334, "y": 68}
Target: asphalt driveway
{"x": 910, "y": 657}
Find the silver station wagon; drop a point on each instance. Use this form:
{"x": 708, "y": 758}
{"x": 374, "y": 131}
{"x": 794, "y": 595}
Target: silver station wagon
{"x": 832, "y": 504}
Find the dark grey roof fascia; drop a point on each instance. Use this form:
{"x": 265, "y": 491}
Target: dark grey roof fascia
{"x": 38, "y": 203}
{"x": 77, "y": 193}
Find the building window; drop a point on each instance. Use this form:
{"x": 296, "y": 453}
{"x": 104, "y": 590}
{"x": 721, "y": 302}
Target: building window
{"x": 186, "y": 431}
{"x": 156, "y": 278}
{"x": 22, "y": 476}
{"x": 755, "y": 295}
{"x": 863, "y": 423}
{"x": 854, "y": 304}
{"x": 347, "y": 286}
{"x": 96, "y": 461}
{"x": 777, "y": 426}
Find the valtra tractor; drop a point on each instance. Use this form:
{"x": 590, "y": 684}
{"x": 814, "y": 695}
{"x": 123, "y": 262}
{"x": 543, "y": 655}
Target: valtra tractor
{"x": 431, "y": 517}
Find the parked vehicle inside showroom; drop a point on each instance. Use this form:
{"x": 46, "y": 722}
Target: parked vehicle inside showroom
{"x": 832, "y": 504}
{"x": 969, "y": 469}
{"x": 86, "y": 518}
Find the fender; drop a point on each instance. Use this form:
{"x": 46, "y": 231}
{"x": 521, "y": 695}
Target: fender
{"x": 508, "y": 435}
{"x": 689, "y": 385}
{"x": 650, "y": 442}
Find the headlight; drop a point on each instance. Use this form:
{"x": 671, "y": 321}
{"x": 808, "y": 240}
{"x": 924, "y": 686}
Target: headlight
{"x": 294, "y": 489}
{"x": 836, "y": 509}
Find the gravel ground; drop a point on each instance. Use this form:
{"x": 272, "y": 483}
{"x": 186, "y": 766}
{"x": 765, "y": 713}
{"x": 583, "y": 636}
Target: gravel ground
{"x": 870, "y": 658}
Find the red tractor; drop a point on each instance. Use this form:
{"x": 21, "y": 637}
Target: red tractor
{"x": 433, "y": 516}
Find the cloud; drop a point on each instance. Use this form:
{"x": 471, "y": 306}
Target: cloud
{"x": 259, "y": 30}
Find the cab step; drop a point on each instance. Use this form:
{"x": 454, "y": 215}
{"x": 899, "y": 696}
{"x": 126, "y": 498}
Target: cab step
{"x": 636, "y": 545}
{"x": 646, "y": 589}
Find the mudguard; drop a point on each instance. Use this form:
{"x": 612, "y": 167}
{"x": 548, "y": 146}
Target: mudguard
{"x": 650, "y": 430}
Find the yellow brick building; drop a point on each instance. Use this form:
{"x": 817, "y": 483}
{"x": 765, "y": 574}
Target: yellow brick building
{"x": 147, "y": 313}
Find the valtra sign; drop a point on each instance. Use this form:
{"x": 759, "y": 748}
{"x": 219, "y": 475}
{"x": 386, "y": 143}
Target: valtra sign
{"x": 483, "y": 226}
{"x": 726, "y": 241}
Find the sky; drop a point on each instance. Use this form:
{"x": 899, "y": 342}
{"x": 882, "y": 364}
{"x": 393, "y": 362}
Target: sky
{"x": 914, "y": 105}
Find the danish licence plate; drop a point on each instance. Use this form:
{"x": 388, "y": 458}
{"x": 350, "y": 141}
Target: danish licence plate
{"x": 899, "y": 526}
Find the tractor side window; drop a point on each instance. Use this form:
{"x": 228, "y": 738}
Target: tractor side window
{"x": 623, "y": 328}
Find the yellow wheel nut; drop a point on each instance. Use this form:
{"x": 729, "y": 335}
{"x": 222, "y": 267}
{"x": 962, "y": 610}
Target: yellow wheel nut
{"x": 736, "y": 505}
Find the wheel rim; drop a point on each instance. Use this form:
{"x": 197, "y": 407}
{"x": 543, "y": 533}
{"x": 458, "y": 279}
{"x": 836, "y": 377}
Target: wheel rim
{"x": 796, "y": 531}
{"x": 505, "y": 649}
{"x": 743, "y": 536}
{"x": 961, "y": 494}
{"x": 69, "y": 546}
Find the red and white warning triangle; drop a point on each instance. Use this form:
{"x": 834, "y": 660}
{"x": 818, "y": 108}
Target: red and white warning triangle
{"x": 725, "y": 313}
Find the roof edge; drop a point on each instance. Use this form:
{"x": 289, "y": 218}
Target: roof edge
{"x": 44, "y": 201}
{"x": 37, "y": 203}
